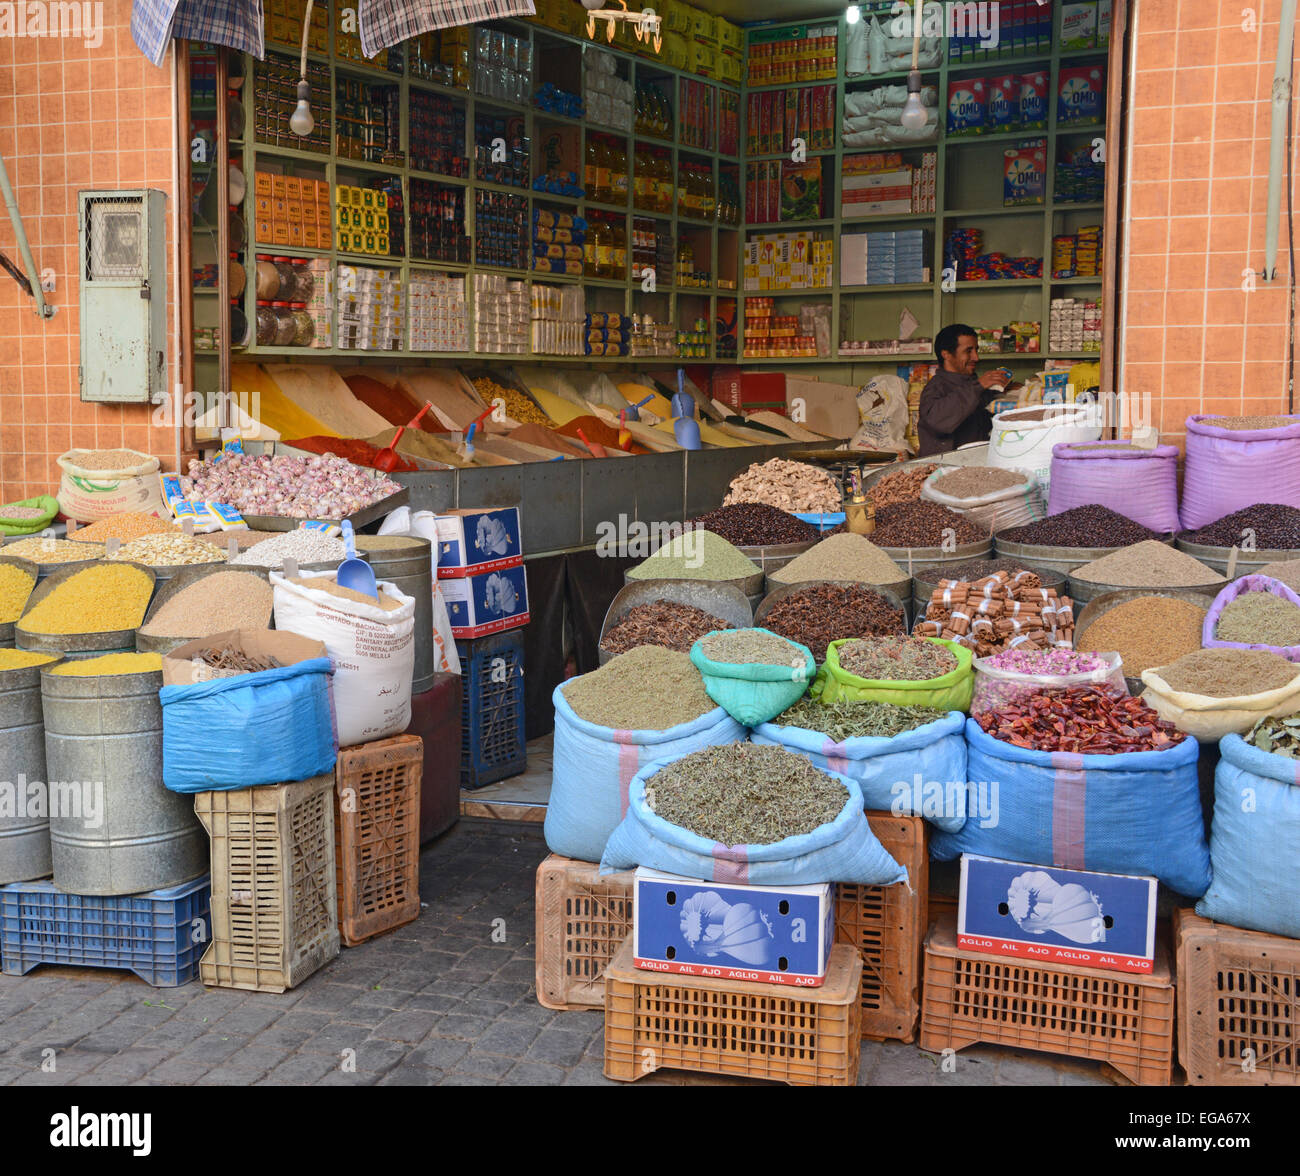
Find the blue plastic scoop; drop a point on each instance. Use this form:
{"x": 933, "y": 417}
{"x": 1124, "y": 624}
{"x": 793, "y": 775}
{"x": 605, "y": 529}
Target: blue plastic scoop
{"x": 356, "y": 573}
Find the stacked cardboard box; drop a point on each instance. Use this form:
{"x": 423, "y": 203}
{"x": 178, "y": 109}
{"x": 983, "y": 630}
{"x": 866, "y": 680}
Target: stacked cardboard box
{"x": 436, "y": 313}
{"x": 885, "y": 258}
{"x": 501, "y": 315}
{"x": 291, "y": 210}
{"x": 370, "y": 308}
{"x": 788, "y": 261}
{"x": 883, "y": 184}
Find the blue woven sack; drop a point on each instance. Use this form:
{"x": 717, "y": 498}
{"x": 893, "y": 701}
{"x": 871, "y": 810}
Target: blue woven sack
{"x": 842, "y": 850}
{"x": 265, "y": 728}
{"x": 594, "y": 766}
{"x": 919, "y": 773}
{"x": 1134, "y": 813}
{"x": 1255, "y": 841}
{"x": 753, "y": 692}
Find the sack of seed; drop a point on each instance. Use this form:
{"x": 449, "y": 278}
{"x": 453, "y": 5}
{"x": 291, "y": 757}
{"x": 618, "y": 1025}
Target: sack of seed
{"x": 890, "y": 669}
{"x": 745, "y": 814}
{"x": 753, "y": 674}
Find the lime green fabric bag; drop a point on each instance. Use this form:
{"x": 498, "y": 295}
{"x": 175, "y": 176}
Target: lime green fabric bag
{"x": 48, "y": 507}
{"x": 752, "y": 693}
{"x": 949, "y": 692}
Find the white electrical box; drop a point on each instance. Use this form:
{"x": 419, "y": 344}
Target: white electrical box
{"x": 123, "y": 296}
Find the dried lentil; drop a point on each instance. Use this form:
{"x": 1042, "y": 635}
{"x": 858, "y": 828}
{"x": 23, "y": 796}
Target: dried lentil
{"x": 215, "y": 604}
{"x": 662, "y": 622}
{"x": 745, "y": 794}
{"x": 129, "y": 525}
{"x": 756, "y": 524}
{"x": 1086, "y": 720}
{"x": 900, "y": 486}
{"x": 1149, "y": 564}
{"x": 1268, "y": 526}
{"x": 43, "y": 550}
{"x": 1229, "y": 673}
{"x": 821, "y": 613}
{"x": 15, "y": 587}
{"x": 922, "y": 524}
{"x": 165, "y": 551}
{"x": 1084, "y": 526}
{"x": 856, "y": 720}
{"x": 307, "y": 547}
{"x": 751, "y": 647}
{"x": 113, "y": 663}
{"x": 895, "y": 659}
{"x": 645, "y": 689}
{"x": 1259, "y": 618}
{"x": 1146, "y": 631}
{"x": 21, "y": 659}
{"x": 102, "y": 599}
{"x": 841, "y": 557}
{"x": 976, "y": 481}
{"x": 696, "y": 555}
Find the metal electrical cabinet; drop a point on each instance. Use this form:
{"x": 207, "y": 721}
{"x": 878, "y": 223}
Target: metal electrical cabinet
{"x": 123, "y": 296}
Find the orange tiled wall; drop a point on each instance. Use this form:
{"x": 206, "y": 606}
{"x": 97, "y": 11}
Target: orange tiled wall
{"x": 1196, "y": 194}
{"x": 72, "y": 117}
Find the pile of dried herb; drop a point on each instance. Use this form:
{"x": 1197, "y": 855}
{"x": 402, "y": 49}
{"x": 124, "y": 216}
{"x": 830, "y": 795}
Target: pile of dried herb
{"x": 645, "y": 689}
{"x": 745, "y": 794}
{"x": 856, "y": 720}
{"x": 896, "y": 659}
{"x": 1229, "y": 673}
{"x": 1278, "y": 734}
{"x": 662, "y": 622}
{"x": 752, "y": 647}
{"x": 1259, "y": 618}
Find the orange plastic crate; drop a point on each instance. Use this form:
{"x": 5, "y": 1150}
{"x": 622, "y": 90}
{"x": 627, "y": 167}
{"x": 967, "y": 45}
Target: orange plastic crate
{"x": 377, "y": 836}
{"x": 1238, "y": 1004}
{"x": 582, "y": 920}
{"x": 802, "y": 1036}
{"x": 887, "y": 925}
{"x": 1126, "y": 1021}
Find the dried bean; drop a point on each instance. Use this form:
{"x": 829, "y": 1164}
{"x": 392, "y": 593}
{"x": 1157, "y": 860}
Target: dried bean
{"x": 1087, "y": 720}
{"x": 756, "y": 524}
{"x": 664, "y": 623}
{"x": 821, "y": 613}
{"x": 1267, "y": 525}
{"x": 1084, "y": 526}
{"x": 922, "y": 524}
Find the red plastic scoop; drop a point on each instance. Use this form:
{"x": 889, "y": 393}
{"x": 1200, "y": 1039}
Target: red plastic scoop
{"x": 386, "y": 459}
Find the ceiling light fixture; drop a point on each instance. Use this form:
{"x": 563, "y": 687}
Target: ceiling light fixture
{"x": 301, "y": 122}
{"x": 913, "y": 116}
{"x": 646, "y": 24}
{"x": 853, "y": 14}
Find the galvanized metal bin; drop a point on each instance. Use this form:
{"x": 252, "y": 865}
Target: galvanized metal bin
{"x": 920, "y": 561}
{"x": 148, "y": 643}
{"x": 751, "y": 587}
{"x": 1248, "y": 562}
{"x": 409, "y": 567}
{"x": 28, "y": 568}
{"x": 1082, "y": 591}
{"x": 24, "y": 833}
{"x": 718, "y": 600}
{"x": 114, "y": 828}
{"x": 1059, "y": 559}
{"x": 78, "y": 644}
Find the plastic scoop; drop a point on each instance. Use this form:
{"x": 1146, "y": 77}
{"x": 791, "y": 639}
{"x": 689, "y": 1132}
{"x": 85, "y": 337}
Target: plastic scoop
{"x": 595, "y": 450}
{"x": 624, "y": 437}
{"x": 386, "y": 460}
{"x": 356, "y": 573}
{"x": 634, "y": 411}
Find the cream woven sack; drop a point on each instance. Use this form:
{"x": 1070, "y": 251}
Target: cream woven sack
{"x": 1211, "y": 719}
{"x": 88, "y": 495}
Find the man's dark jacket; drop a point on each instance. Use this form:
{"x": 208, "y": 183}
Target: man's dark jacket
{"x": 952, "y": 413}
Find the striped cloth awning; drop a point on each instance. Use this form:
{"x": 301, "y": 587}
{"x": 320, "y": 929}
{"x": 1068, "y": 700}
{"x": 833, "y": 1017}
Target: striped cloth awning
{"x": 238, "y": 24}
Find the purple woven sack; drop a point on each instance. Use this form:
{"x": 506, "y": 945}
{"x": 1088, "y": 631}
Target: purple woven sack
{"x": 1227, "y": 470}
{"x": 1141, "y": 484}
{"x": 1228, "y": 595}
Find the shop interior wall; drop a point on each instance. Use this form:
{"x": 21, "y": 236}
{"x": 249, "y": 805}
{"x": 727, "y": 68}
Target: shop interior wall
{"x": 72, "y": 117}
{"x": 1200, "y": 334}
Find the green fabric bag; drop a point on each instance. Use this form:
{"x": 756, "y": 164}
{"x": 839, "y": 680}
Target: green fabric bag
{"x": 949, "y": 692}
{"x": 752, "y": 693}
{"x": 44, "y": 503}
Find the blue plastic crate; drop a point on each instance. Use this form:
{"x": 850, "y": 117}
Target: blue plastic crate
{"x": 492, "y": 745}
{"x": 159, "y": 935}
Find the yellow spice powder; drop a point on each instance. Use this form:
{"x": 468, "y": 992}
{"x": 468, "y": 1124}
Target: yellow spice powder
{"x": 112, "y": 663}
{"x": 21, "y": 659}
{"x": 15, "y": 587}
{"x": 101, "y": 599}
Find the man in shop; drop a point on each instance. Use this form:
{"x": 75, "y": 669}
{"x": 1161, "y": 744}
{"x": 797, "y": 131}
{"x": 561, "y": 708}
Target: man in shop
{"x": 956, "y": 403}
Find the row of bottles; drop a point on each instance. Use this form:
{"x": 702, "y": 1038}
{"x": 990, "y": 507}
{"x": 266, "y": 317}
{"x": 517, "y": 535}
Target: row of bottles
{"x": 654, "y": 113}
{"x": 605, "y": 250}
{"x": 653, "y": 188}
{"x": 697, "y": 196}
{"x": 694, "y": 191}
{"x": 605, "y": 170}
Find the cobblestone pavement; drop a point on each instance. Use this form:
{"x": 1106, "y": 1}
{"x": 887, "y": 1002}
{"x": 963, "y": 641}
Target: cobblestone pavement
{"x": 437, "y": 1002}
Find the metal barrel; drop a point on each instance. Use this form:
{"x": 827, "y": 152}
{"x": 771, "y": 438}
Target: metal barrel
{"x": 1248, "y": 562}
{"x": 1082, "y": 591}
{"x": 774, "y": 556}
{"x": 114, "y": 828}
{"x": 155, "y": 643}
{"x": 719, "y": 600}
{"x": 76, "y": 645}
{"x": 28, "y": 569}
{"x": 25, "y": 832}
{"x": 925, "y": 561}
{"x": 1062, "y": 560}
{"x": 409, "y": 567}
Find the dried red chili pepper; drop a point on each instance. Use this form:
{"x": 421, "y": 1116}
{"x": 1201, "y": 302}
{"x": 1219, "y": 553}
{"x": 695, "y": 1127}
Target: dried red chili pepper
{"x": 1083, "y": 719}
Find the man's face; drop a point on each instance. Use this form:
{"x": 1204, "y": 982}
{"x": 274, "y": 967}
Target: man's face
{"x": 965, "y": 357}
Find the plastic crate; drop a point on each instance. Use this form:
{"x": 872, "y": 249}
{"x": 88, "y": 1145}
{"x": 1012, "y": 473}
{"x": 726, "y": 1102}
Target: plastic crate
{"x": 274, "y": 896}
{"x": 1238, "y": 1004}
{"x": 492, "y": 743}
{"x": 158, "y": 935}
{"x": 802, "y": 1036}
{"x": 377, "y": 836}
{"x": 582, "y": 920}
{"x": 887, "y": 924}
{"x": 1126, "y": 1021}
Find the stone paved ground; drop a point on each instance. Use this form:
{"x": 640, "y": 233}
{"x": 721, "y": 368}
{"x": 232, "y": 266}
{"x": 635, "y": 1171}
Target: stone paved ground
{"x": 434, "y": 1003}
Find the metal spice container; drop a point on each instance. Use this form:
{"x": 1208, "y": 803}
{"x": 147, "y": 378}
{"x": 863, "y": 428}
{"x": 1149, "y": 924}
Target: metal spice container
{"x": 717, "y": 600}
{"x": 818, "y": 613}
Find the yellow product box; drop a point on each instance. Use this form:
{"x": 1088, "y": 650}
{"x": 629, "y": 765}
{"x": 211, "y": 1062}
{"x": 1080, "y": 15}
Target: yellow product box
{"x": 262, "y": 206}
{"x": 368, "y": 197}
{"x": 342, "y": 239}
{"x": 356, "y": 219}
{"x": 703, "y": 28}
{"x": 293, "y": 211}
{"x": 382, "y": 243}
{"x": 369, "y": 243}
{"x": 295, "y": 233}
{"x": 280, "y": 187}
{"x": 381, "y": 201}
{"x": 702, "y": 60}
{"x": 279, "y": 234}
{"x": 292, "y": 188}
{"x": 677, "y": 16}
{"x": 262, "y": 183}
{"x": 730, "y": 36}
{"x": 323, "y": 216}
{"x": 311, "y": 237}
{"x": 280, "y": 210}
{"x": 729, "y": 68}
{"x": 343, "y": 217}
{"x": 676, "y": 50}
{"x": 262, "y": 230}
{"x": 381, "y": 222}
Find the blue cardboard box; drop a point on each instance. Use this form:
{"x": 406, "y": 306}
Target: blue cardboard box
{"x": 483, "y": 539}
{"x": 486, "y": 603}
{"x": 1057, "y": 916}
{"x": 765, "y": 934}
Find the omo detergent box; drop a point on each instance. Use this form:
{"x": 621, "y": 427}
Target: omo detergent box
{"x": 1033, "y": 101}
{"x": 486, "y": 603}
{"x": 967, "y": 106}
{"x": 1024, "y": 173}
{"x": 1056, "y": 915}
{"x": 1080, "y": 94}
{"x": 1004, "y": 102}
{"x": 765, "y": 934}
{"x": 481, "y": 539}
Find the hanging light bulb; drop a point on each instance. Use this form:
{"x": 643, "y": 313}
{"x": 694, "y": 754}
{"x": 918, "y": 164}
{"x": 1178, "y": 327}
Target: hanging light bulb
{"x": 914, "y": 116}
{"x": 301, "y": 122}
{"x": 853, "y": 14}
